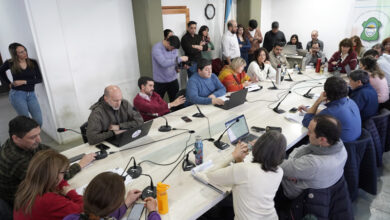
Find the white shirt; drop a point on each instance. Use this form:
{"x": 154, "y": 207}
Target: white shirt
{"x": 230, "y": 46}
{"x": 384, "y": 65}
{"x": 253, "y": 189}
{"x": 254, "y": 71}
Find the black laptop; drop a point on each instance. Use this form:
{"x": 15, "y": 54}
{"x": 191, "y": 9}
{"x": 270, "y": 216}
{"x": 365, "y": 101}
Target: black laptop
{"x": 236, "y": 99}
{"x": 131, "y": 134}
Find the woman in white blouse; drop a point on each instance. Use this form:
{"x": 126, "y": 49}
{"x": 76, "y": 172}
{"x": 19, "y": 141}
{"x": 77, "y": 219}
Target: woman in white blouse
{"x": 254, "y": 184}
{"x": 260, "y": 68}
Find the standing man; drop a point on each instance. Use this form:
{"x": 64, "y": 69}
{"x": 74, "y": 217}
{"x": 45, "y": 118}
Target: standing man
{"x": 255, "y": 38}
{"x": 165, "y": 59}
{"x": 111, "y": 116}
{"x": 314, "y": 38}
{"x": 273, "y": 36}
{"x": 230, "y": 46}
{"x": 193, "y": 45}
{"x": 277, "y": 57}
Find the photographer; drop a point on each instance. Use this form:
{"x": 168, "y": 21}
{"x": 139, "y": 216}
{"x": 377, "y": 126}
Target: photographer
{"x": 165, "y": 59}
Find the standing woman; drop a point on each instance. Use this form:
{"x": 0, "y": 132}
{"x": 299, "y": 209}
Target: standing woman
{"x": 25, "y": 74}
{"x": 244, "y": 43}
{"x": 44, "y": 194}
{"x": 358, "y": 46}
{"x": 204, "y": 34}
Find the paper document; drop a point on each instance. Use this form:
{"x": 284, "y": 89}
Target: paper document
{"x": 252, "y": 87}
{"x": 199, "y": 173}
{"x": 295, "y": 117}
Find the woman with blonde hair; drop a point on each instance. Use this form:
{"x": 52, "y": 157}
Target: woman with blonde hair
{"x": 44, "y": 194}
{"x": 233, "y": 76}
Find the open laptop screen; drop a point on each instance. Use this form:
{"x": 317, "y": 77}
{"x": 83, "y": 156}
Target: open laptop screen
{"x": 238, "y": 130}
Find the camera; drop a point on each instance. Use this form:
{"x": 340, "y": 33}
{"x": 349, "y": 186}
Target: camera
{"x": 181, "y": 64}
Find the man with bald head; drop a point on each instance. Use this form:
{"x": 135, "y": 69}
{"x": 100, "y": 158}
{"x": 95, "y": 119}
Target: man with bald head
{"x": 314, "y": 38}
{"x": 110, "y": 116}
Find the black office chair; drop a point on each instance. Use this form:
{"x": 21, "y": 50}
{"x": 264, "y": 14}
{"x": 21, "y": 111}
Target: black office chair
{"x": 83, "y": 129}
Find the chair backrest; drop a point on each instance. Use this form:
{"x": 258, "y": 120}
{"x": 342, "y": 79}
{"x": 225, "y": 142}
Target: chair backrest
{"x": 217, "y": 65}
{"x": 329, "y": 203}
{"x": 83, "y": 129}
{"x": 5, "y": 211}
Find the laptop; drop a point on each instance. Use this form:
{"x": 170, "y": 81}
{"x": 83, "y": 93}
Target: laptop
{"x": 236, "y": 99}
{"x": 239, "y": 131}
{"x": 290, "y": 49}
{"x": 131, "y": 134}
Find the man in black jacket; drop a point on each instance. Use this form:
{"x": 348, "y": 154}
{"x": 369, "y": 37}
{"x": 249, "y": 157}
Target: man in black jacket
{"x": 193, "y": 45}
{"x": 273, "y": 36}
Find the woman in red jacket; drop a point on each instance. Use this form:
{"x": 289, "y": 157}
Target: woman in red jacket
{"x": 343, "y": 58}
{"x": 44, "y": 194}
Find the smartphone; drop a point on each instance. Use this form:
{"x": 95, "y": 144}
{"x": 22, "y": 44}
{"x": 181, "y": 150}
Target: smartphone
{"x": 257, "y": 129}
{"x": 293, "y": 110}
{"x": 102, "y": 147}
{"x": 271, "y": 128}
{"x": 136, "y": 212}
{"x": 186, "y": 119}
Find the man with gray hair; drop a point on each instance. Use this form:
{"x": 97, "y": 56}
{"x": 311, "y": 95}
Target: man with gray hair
{"x": 111, "y": 116}
{"x": 314, "y": 38}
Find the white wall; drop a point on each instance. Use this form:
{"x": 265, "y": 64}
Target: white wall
{"x": 83, "y": 46}
{"x": 216, "y": 25}
{"x": 15, "y": 28}
{"x": 331, "y": 18}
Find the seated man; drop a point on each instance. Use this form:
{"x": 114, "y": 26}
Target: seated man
{"x": 276, "y": 57}
{"x": 313, "y": 54}
{"x": 363, "y": 94}
{"x": 110, "y": 116}
{"x": 338, "y": 106}
{"x": 15, "y": 155}
{"x": 149, "y": 103}
{"x": 318, "y": 165}
{"x": 204, "y": 87}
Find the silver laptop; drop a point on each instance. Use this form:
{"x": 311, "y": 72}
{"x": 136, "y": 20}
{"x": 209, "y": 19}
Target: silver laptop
{"x": 290, "y": 49}
{"x": 239, "y": 131}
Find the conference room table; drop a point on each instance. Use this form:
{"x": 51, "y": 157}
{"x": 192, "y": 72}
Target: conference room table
{"x": 188, "y": 198}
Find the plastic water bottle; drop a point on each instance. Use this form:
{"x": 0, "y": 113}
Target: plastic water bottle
{"x": 198, "y": 150}
{"x": 162, "y": 198}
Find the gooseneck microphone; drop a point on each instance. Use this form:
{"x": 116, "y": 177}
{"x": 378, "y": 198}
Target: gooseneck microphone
{"x": 134, "y": 171}
{"x": 308, "y": 94}
{"x": 218, "y": 143}
{"x": 199, "y": 114}
{"x": 276, "y": 109}
{"x": 274, "y": 86}
{"x": 289, "y": 77}
{"x": 60, "y": 130}
{"x": 166, "y": 127}
{"x": 187, "y": 165}
{"x": 149, "y": 191}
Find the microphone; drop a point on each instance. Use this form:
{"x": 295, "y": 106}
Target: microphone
{"x": 187, "y": 165}
{"x": 289, "y": 77}
{"x": 134, "y": 171}
{"x": 184, "y": 129}
{"x": 276, "y": 109}
{"x": 149, "y": 191}
{"x": 60, "y": 130}
{"x": 274, "y": 86}
{"x": 166, "y": 127}
{"x": 218, "y": 143}
{"x": 308, "y": 94}
{"x": 199, "y": 114}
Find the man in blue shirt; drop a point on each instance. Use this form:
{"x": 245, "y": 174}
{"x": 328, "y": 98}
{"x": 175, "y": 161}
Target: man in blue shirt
{"x": 165, "y": 59}
{"x": 204, "y": 87}
{"x": 339, "y": 106}
{"x": 363, "y": 94}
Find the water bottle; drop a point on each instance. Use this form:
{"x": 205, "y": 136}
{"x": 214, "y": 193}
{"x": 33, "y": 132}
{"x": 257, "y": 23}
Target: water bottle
{"x": 278, "y": 75}
{"x": 162, "y": 198}
{"x": 198, "y": 150}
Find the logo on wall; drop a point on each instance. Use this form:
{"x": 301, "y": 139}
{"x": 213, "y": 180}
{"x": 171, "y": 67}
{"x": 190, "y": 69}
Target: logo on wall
{"x": 370, "y": 29}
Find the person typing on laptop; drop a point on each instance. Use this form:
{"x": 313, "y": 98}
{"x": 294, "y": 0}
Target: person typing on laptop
{"x": 204, "y": 87}
{"x": 111, "y": 116}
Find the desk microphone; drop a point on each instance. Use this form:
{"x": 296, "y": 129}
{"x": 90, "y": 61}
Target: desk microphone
{"x": 149, "y": 191}
{"x": 166, "y": 127}
{"x": 60, "y": 130}
{"x": 276, "y": 109}
{"x": 218, "y": 143}
{"x": 289, "y": 77}
{"x": 187, "y": 165}
{"x": 134, "y": 171}
{"x": 308, "y": 94}
{"x": 199, "y": 114}
{"x": 274, "y": 86}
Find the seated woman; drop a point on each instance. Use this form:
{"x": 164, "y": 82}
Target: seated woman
{"x": 253, "y": 184}
{"x": 233, "y": 76}
{"x": 103, "y": 199}
{"x": 260, "y": 68}
{"x": 294, "y": 41}
{"x": 44, "y": 194}
{"x": 377, "y": 78}
{"x": 357, "y": 46}
{"x": 344, "y": 57}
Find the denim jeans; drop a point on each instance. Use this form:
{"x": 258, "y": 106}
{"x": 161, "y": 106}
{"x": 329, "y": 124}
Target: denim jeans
{"x": 26, "y": 103}
{"x": 193, "y": 69}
